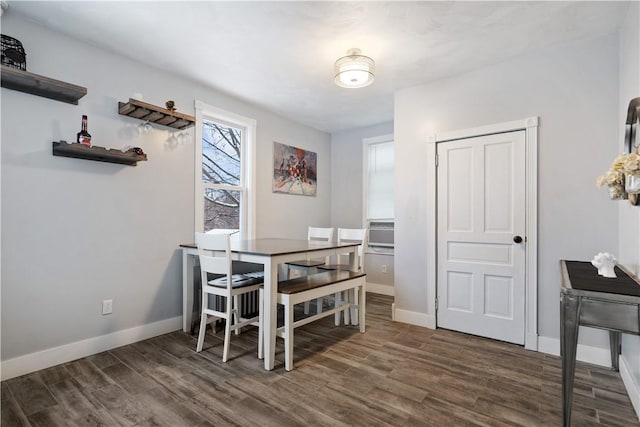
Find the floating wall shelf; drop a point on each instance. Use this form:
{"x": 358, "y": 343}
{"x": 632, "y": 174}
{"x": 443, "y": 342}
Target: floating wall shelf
{"x": 23, "y": 81}
{"x": 100, "y": 154}
{"x": 154, "y": 114}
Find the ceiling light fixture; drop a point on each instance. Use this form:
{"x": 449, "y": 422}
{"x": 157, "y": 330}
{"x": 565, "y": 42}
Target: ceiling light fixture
{"x": 354, "y": 70}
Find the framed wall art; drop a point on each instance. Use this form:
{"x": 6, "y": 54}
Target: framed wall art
{"x": 294, "y": 170}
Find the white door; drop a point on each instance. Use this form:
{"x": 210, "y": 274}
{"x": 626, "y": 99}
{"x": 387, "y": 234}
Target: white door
{"x": 481, "y": 218}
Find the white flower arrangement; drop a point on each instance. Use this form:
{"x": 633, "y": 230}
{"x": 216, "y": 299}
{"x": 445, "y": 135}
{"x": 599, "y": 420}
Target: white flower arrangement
{"x": 632, "y": 164}
{"x": 614, "y": 177}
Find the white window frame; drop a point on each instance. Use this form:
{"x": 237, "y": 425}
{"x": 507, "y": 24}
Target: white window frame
{"x": 247, "y": 166}
{"x": 366, "y": 142}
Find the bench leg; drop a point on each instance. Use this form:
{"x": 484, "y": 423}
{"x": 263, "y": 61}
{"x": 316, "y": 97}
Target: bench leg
{"x": 346, "y": 297}
{"x": 260, "y": 324}
{"x": 361, "y": 307}
{"x": 288, "y": 335}
{"x": 350, "y": 315}
{"x": 355, "y": 295}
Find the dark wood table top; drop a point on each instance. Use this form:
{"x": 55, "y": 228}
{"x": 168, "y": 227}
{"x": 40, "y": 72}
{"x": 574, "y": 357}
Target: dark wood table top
{"x": 273, "y": 247}
{"x": 312, "y": 281}
{"x": 583, "y": 276}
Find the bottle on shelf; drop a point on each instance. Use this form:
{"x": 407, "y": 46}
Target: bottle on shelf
{"x": 84, "y": 137}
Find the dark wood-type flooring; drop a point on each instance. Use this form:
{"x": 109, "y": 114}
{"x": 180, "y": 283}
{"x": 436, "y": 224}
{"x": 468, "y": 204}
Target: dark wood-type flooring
{"x": 394, "y": 374}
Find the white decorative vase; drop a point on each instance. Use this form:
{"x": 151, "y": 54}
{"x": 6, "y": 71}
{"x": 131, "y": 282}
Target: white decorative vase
{"x": 605, "y": 263}
{"x": 607, "y": 271}
{"x": 632, "y": 184}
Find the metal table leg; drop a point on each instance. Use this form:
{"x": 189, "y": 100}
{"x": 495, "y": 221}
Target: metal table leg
{"x": 569, "y": 316}
{"x": 615, "y": 338}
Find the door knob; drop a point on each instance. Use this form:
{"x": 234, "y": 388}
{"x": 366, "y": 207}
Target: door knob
{"x": 517, "y": 239}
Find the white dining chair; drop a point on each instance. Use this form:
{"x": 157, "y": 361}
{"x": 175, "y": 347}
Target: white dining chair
{"x": 245, "y": 268}
{"x": 214, "y": 252}
{"x": 310, "y": 266}
{"x": 348, "y": 235}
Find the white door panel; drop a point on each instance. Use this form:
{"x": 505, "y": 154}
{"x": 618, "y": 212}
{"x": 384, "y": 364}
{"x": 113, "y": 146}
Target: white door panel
{"x": 498, "y": 188}
{"x": 498, "y": 296}
{"x": 481, "y": 207}
{"x": 459, "y": 291}
{"x": 460, "y": 180}
{"x": 480, "y": 252}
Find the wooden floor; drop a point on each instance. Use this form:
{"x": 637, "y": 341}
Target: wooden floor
{"x": 394, "y": 374}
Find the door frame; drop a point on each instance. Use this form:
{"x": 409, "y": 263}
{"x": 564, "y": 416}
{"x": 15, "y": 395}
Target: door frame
{"x": 530, "y": 126}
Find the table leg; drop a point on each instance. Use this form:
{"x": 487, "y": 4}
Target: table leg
{"x": 569, "y": 324}
{"x": 269, "y": 313}
{"x": 362, "y": 301}
{"x": 337, "y": 298}
{"x": 353, "y": 266}
{"x": 188, "y": 262}
{"x": 615, "y": 338}
{"x": 348, "y": 314}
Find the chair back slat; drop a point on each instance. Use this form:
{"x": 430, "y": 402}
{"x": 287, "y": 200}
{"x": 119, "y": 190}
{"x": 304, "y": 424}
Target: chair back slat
{"x": 354, "y": 235}
{"x": 234, "y": 233}
{"x": 214, "y": 253}
{"x": 320, "y": 234}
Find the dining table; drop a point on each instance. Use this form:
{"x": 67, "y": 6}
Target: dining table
{"x": 269, "y": 252}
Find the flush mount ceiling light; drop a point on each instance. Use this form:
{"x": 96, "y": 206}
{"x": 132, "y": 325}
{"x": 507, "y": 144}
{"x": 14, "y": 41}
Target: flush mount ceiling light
{"x": 354, "y": 70}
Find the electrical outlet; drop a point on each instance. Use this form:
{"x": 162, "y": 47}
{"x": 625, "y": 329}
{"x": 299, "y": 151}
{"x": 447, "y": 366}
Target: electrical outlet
{"x": 107, "y": 306}
{"x": 384, "y": 268}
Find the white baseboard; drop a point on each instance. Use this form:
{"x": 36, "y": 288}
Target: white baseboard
{"x": 378, "y": 288}
{"x": 65, "y": 353}
{"x": 414, "y": 318}
{"x": 633, "y": 388}
{"x": 585, "y": 353}
{"x": 531, "y": 342}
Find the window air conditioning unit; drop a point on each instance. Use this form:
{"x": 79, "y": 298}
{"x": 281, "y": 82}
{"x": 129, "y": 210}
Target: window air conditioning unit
{"x": 381, "y": 234}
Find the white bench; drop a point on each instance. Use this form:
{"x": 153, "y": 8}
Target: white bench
{"x": 308, "y": 288}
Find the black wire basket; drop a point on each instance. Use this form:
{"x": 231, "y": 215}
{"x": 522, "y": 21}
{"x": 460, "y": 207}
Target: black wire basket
{"x": 13, "y": 54}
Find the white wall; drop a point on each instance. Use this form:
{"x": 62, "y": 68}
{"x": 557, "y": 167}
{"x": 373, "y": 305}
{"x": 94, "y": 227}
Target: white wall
{"x": 629, "y": 230}
{"x": 75, "y": 232}
{"x": 346, "y": 173}
{"x": 574, "y": 90}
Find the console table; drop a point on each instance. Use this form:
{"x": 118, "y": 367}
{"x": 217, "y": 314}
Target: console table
{"x": 591, "y": 300}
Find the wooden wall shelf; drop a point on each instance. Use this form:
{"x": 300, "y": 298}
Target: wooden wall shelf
{"x": 100, "y": 154}
{"x": 154, "y": 114}
{"x": 23, "y": 81}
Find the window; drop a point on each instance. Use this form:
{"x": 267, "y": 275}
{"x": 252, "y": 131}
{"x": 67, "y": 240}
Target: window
{"x": 224, "y": 153}
{"x": 378, "y": 178}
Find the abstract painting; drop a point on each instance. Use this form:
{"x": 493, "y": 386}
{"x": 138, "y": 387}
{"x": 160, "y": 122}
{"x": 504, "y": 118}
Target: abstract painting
{"x": 294, "y": 170}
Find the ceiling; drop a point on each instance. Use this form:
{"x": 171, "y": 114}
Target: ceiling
{"x": 280, "y": 55}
